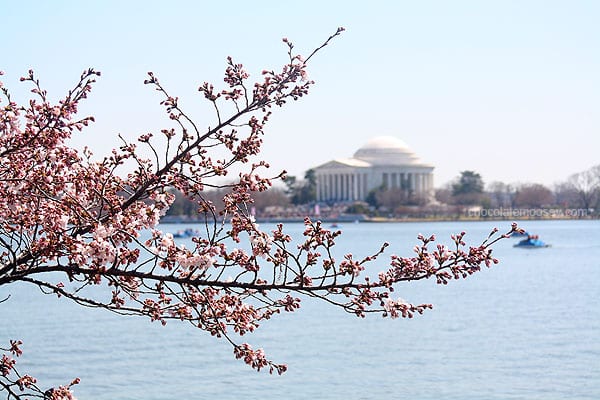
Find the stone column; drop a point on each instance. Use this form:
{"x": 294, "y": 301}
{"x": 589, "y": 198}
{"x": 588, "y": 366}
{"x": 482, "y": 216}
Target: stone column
{"x": 348, "y": 186}
{"x": 332, "y": 187}
{"x": 430, "y": 190}
{"x": 319, "y": 188}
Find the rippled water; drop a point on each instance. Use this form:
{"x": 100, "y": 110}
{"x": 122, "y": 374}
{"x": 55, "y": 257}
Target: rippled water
{"x": 528, "y": 328}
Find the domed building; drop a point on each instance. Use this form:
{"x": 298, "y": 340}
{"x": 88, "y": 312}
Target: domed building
{"x": 383, "y": 162}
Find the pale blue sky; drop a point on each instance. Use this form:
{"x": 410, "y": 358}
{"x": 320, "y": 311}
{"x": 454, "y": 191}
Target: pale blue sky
{"x": 510, "y": 89}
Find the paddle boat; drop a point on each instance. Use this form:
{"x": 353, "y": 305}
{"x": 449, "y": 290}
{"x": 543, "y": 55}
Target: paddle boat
{"x": 517, "y": 234}
{"x": 532, "y": 242}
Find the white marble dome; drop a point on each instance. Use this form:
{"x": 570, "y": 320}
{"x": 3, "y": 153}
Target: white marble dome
{"x": 387, "y": 150}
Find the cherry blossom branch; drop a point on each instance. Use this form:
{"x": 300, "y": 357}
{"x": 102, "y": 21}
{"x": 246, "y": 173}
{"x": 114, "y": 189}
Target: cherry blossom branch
{"x": 19, "y": 386}
{"x": 69, "y": 224}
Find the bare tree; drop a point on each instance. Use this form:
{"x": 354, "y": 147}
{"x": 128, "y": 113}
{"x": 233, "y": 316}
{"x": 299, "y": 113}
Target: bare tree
{"x": 501, "y": 194}
{"x": 533, "y": 195}
{"x": 586, "y": 185}
{"x": 566, "y": 195}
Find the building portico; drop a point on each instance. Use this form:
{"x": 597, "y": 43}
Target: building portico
{"x": 384, "y": 162}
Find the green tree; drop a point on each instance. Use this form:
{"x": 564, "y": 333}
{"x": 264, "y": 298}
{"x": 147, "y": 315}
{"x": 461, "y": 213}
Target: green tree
{"x": 302, "y": 192}
{"x": 468, "y": 189}
{"x": 468, "y": 182}
{"x": 372, "y": 198}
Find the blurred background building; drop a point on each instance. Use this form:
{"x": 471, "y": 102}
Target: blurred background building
{"x": 384, "y": 162}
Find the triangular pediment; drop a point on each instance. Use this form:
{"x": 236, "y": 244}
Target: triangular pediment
{"x": 344, "y": 163}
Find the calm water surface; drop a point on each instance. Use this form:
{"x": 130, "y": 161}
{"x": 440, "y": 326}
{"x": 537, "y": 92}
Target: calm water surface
{"x": 528, "y": 328}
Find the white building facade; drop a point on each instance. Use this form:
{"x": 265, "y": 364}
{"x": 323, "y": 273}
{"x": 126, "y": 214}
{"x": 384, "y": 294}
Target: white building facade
{"x": 383, "y": 162}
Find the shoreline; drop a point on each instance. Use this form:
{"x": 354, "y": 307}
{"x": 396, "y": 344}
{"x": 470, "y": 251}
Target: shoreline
{"x": 375, "y": 220}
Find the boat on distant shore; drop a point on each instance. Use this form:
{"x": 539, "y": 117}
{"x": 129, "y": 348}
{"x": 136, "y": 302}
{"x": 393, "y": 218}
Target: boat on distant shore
{"x": 532, "y": 242}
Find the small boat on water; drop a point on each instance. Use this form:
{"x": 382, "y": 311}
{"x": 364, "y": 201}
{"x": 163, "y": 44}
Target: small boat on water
{"x": 186, "y": 233}
{"x": 517, "y": 234}
{"x": 532, "y": 242}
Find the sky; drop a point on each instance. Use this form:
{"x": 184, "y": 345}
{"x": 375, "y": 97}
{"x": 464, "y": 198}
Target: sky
{"x": 509, "y": 89}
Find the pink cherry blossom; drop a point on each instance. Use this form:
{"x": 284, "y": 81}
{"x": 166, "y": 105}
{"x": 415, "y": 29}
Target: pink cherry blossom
{"x": 82, "y": 218}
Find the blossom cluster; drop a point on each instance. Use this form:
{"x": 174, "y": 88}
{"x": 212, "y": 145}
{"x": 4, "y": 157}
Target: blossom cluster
{"x": 19, "y": 386}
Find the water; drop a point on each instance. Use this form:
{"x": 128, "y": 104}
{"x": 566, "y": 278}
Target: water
{"x": 528, "y": 328}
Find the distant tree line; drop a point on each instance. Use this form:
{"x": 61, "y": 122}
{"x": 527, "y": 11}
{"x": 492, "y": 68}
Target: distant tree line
{"x": 274, "y": 197}
{"x": 468, "y": 190}
{"x": 296, "y": 192}
{"x": 580, "y": 190}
